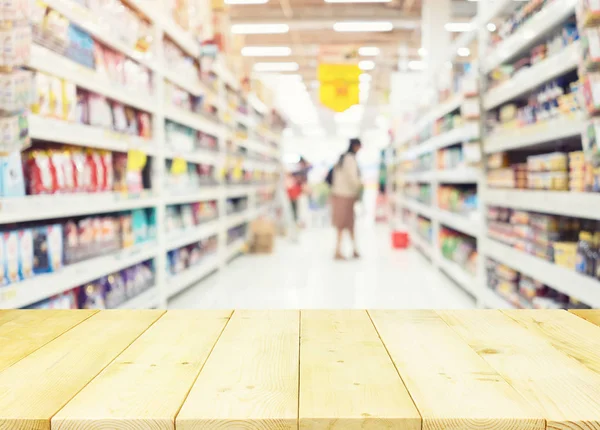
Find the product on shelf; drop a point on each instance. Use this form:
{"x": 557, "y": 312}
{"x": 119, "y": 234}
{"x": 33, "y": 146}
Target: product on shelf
{"x": 419, "y": 192}
{"x": 236, "y": 205}
{"x": 458, "y": 199}
{"x": 189, "y": 256}
{"x": 236, "y": 233}
{"x": 459, "y": 248}
{"x": 525, "y": 292}
{"x": 191, "y": 179}
{"x": 424, "y": 228}
{"x": 179, "y": 218}
{"x": 185, "y": 139}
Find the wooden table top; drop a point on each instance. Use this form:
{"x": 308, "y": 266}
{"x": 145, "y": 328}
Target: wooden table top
{"x": 288, "y": 369}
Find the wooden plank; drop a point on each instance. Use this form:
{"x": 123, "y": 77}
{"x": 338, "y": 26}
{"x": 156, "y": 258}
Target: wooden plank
{"x": 250, "y": 380}
{"x": 347, "y": 379}
{"x": 565, "y": 392}
{"x": 569, "y": 334}
{"x": 590, "y": 315}
{"x": 437, "y": 365}
{"x": 38, "y": 386}
{"x": 165, "y": 360}
{"x": 25, "y": 331}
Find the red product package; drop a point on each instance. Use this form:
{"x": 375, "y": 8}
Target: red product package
{"x": 120, "y": 171}
{"x": 94, "y": 176}
{"x": 109, "y": 173}
{"x": 57, "y": 167}
{"x": 38, "y": 171}
{"x": 144, "y": 125}
{"x": 69, "y": 171}
{"x": 79, "y": 170}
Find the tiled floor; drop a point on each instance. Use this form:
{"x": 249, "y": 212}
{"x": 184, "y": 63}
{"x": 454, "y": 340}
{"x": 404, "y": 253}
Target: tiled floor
{"x": 304, "y": 275}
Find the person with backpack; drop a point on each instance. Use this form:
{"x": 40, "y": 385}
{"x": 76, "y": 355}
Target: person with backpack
{"x": 346, "y": 189}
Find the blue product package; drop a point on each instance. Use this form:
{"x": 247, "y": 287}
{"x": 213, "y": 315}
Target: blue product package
{"x": 47, "y": 248}
{"x": 139, "y": 223}
{"x": 81, "y": 47}
{"x": 25, "y": 253}
{"x": 11, "y": 169}
{"x": 151, "y": 213}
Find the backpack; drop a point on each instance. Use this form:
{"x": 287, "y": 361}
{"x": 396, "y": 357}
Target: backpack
{"x": 329, "y": 177}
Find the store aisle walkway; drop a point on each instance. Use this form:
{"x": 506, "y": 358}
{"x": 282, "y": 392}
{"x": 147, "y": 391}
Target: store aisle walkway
{"x": 304, "y": 275}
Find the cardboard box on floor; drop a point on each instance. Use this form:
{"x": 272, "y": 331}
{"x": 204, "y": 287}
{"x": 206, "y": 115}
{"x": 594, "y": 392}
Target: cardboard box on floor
{"x": 262, "y": 233}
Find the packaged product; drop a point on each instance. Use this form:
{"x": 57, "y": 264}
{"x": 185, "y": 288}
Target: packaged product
{"x": 12, "y": 254}
{"x": 115, "y": 291}
{"x": 56, "y": 104}
{"x": 80, "y": 46}
{"x": 11, "y": 174}
{"x": 47, "y": 248}
{"x": 139, "y": 224}
{"x": 39, "y": 173}
{"x": 25, "y": 253}
{"x": 3, "y": 278}
{"x": 91, "y": 296}
{"x": 69, "y": 98}
{"x": 127, "y": 234}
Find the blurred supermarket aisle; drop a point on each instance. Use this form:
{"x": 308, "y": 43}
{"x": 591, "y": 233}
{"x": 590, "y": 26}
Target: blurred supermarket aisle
{"x": 306, "y": 276}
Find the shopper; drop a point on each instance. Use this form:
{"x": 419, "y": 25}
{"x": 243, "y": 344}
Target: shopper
{"x": 346, "y": 190}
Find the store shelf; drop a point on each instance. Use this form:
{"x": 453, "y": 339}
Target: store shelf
{"x": 464, "y": 224}
{"x": 458, "y": 275}
{"x": 192, "y": 84}
{"x": 465, "y": 133}
{"x": 54, "y": 130}
{"x": 419, "y": 176}
{"x": 146, "y": 300}
{"x": 459, "y": 175}
{"x": 233, "y": 220}
{"x": 424, "y": 246}
{"x": 583, "y": 205}
{"x": 192, "y": 235}
{"x": 193, "y": 120}
{"x": 177, "y": 283}
{"x": 239, "y": 190}
{"x": 533, "y": 77}
{"x": 41, "y": 287}
{"x": 234, "y": 248}
{"x": 198, "y": 156}
{"x": 417, "y": 207}
{"x": 54, "y": 64}
{"x": 492, "y": 300}
{"x": 33, "y": 208}
{"x": 536, "y": 28}
{"x": 566, "y": 281}
{"x": 95, "y": 26}
{"x": 524, "y": 137}
{"x": 207, "y": 192}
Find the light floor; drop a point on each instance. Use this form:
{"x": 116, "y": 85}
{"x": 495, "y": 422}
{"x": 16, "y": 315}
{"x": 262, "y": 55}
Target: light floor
{"x": 304, "y": 275}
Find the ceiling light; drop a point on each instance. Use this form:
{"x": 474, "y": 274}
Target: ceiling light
{"x": 463, "y": 52}
{"x": 417, "y": 65}
{"x": 491, "y": 26}
{"x": 259, "y": 28}
{"x": 422, "y": 52}
{"x": 276, "y": 67}
{"x": 266, "y": 51}
{"x": 246, "y": 1}
{"x": 357, "y": 26}
{"x": 366, "y": 65}
{"x": 458, "y": 27}
{"x": 368, "y": 51}
{"x": 365, "y": 77}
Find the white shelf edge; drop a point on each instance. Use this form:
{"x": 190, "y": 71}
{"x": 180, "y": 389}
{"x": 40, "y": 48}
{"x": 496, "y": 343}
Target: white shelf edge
{"x": 566, "y": 281}
{"x": 535, "y": 76}
{"x": 549, "y": 131}
{"x": 417, "y": 207}
{"x": 461, "y": 223}
{"x": 465, "y": 133}
{"x": 208, "y": 192}
{"x": 459, "y": 175}
{"x": 239, "y": 190}
{"x": 492, "y": 300}
{"x": 50, "y": 206}
{"x": 55, "y": 130}
{"x": 198, "y": 156}
{"x": 192, "y": 235}
{"x": 541, "y": 23}
{"x": 458, "y": 275}
{"x": 580, "y": 205}
{"x": 145, "y": 300}
{"x": 193, "y": 120}
{"x": 425, "y": 247}
{"x": 234, "y": 248}
{"x": 41, "y": 287}
{"x": 55, "y": 64}
{"x": 177, "y": 283}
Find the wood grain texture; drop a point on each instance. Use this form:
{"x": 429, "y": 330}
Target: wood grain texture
{"x": 569, "y": 334}
{"x": 24, "y": 331}
{"x": 437, "y": 365}
{"x": 565, "y": 392}
{"x": 347, "y": 379}
{"x": 38, "y": 386}
{"x": 250, "y": 380}
{"x": 590, "y": 315}
{"x": 145, "y": 386}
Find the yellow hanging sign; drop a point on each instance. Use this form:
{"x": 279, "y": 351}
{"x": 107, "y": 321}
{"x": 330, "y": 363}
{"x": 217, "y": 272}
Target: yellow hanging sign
{"x": 339, "y": 86}
{"x": 136, "y": 160}
{"x": 178, "y": 166}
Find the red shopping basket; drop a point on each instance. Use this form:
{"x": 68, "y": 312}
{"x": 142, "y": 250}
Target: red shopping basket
{"x": 400, "y": 240}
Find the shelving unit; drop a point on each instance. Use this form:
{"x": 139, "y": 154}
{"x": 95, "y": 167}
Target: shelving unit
{"x": 47, "y": 207}
{"x": 543, "y": 135}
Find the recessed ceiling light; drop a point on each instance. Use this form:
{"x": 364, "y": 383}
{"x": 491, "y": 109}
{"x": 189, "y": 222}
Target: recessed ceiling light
{"x": 458, "y": 27}
{"x": 366, "y": 65}
{"x": 276, "y": 67}
{"x": 266, "y": 51}
{"x": 259, "y": 28}
{"x": 368, "y": 51}
{"x": 365, "y": 77}
{"x": 463, "y": 52}
{"x": 491, "y": 26}
{"x": 366, "y": 26}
